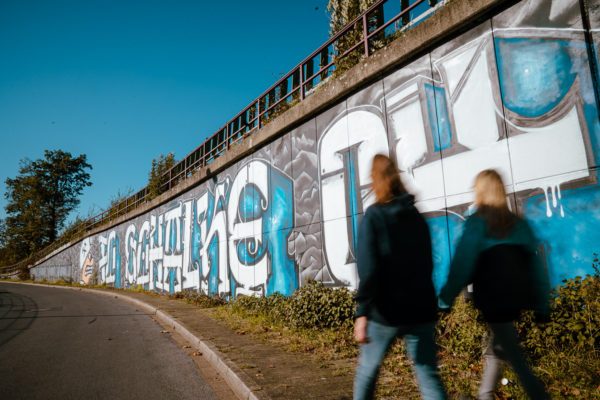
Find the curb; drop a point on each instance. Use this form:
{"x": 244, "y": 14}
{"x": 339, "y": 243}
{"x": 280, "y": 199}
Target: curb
{"x": 226, "y": 368}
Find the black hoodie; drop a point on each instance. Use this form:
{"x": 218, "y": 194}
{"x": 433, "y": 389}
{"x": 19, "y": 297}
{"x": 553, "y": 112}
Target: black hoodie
{"x": 395, "y": 265}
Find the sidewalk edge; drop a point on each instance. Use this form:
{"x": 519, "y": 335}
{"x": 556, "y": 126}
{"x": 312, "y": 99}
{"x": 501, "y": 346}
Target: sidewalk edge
{"x": 217, "y": 360}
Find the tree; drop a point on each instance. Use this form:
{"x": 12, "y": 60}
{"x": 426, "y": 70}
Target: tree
{"x": 160, "y": 166}
{"x": 342, "y": 12}
{"x": 39, "y": 200}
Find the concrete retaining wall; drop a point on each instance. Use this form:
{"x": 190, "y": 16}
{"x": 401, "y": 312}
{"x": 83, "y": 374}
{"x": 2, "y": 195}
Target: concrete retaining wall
{"x": 514, "y": 93}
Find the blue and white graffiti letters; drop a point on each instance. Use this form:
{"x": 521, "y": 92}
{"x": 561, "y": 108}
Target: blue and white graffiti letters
{"x": 345, "y": 150}
{"x": 516, "y": 100}
{"x": 231, "y": 240}
{"x": 110, "y": 259}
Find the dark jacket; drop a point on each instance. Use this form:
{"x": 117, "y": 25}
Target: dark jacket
{"x": 395, "y": 265}
{"x": 487, "y": 261}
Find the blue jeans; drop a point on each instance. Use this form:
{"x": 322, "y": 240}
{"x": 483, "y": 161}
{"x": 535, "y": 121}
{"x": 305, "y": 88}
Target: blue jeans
{"x": 421, "y": 349}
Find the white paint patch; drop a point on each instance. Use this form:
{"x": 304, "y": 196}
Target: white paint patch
{"x": 555, "y": 149}
{"x": 474, "y": 108}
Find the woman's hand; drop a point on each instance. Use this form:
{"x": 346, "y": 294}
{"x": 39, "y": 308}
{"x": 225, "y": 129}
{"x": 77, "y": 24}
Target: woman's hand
{"x": 360, "y": 330}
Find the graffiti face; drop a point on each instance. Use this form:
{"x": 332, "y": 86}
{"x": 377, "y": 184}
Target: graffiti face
{"x": 86, "y": 262}
{"x": 514, "y": 94}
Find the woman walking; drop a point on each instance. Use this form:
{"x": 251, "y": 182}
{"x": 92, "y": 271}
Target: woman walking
{"x": 395, "y": 295}
{"x": 497, "y": 254}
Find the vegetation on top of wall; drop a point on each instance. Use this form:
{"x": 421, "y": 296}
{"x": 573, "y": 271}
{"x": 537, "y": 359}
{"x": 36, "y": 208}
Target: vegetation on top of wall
{"x": 160, "y": 166}
{"x": 342, "y": 12}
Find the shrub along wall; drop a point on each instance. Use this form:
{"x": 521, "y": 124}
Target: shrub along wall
{"x": 565, "y": 352}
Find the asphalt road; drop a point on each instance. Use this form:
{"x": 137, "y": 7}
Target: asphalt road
{"x": 67, "y": 344}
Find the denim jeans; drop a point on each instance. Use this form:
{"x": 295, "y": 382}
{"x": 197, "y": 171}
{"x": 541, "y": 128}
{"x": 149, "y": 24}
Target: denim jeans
{"x": 421, "y": 349}
{"x": 504, "y": 346}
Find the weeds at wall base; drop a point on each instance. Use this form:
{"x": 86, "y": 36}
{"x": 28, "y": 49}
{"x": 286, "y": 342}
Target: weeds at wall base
{"x": 570, "y": 369}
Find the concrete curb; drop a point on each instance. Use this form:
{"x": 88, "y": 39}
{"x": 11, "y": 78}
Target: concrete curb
{"x": 229, "y": 371}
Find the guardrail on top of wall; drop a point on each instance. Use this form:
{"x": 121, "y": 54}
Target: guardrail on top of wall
{"x": 358, "y": 39}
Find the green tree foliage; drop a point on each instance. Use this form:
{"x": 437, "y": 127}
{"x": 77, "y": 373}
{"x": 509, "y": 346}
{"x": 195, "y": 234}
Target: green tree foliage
{"x": 341, "y": 13}
{"x": 160, "y": 166}
{"x": 39, "y": 199}
{"x": 118, "y": 204}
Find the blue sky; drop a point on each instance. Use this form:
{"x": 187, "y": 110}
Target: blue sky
{"x": 124, "y": 81}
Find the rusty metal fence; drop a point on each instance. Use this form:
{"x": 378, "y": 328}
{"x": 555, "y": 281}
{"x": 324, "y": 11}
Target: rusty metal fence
{"x": 380, "y": 24}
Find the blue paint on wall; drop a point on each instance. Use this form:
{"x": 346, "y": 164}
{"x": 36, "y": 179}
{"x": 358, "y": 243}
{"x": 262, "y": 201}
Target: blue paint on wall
{"x": 438, "y": 228}
{"x": 445, "y": 231}
{"x": 130, "y": 255}
{"x": 284, "y": 276}
{"x": 145, "y": 242}
{"x": 437, "y": 115}
{"x": 353, "y": 193}
{"x": 250, "y": 203}
{"x": 172, "y": 245}
{"x": 172, "y": 279}
{"x": 214, "y": 262}
{"x": 570, "y": 241}
{"x": 114, "y": 263}
{"x": 535, "y": 74}
{"x": 196, "y": 238}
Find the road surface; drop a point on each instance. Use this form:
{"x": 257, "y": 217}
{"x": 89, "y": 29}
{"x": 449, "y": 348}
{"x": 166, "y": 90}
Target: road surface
{"x": 69, "y": 344}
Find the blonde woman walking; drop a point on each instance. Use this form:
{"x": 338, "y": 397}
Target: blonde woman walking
{"x": 497, "y": 254}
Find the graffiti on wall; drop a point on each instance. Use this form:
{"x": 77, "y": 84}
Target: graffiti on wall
{"x": 516, "y": 99}
{"x": 514, "y": 94}
{"x": 86, "y": 262}
{"x": 229, "y": 240}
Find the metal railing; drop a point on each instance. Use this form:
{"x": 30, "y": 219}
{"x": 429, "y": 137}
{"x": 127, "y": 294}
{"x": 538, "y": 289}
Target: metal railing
{"x": 356, "y": 40}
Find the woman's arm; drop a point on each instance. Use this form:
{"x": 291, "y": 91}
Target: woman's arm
{"x": 463, "y": 262}
{"x": 366, "y": 264}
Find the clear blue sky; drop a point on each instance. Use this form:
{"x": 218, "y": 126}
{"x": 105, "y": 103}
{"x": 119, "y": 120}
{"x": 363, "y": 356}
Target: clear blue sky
{"x": 124, "y": 81}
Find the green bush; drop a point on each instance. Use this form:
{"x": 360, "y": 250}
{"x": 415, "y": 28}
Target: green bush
{"x": 566, "y": 351}
{"x": 199, "y": 299}
{"x": 312, "y": 306}
{"x": 574, "y": 319}
{"x": 318, "y": 306}
{"x": 24, "y": 274}
{"x": 461, "y": 337}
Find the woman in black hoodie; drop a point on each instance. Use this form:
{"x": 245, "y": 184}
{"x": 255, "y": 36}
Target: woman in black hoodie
{"x": 395, "y": 294}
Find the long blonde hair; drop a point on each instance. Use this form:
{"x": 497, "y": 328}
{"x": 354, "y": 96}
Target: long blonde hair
{"x": 386, "y": 179}
{"x": 490, "y": 198}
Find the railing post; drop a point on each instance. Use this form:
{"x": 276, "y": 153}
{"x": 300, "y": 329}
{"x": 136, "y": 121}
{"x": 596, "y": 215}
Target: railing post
{"x": 365, "y": 35}
{"x": 258, "y": 112}
{"x": 404, "y": 4}
{"x": 301, "y": 81}
{"x": 227, "y": 135}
